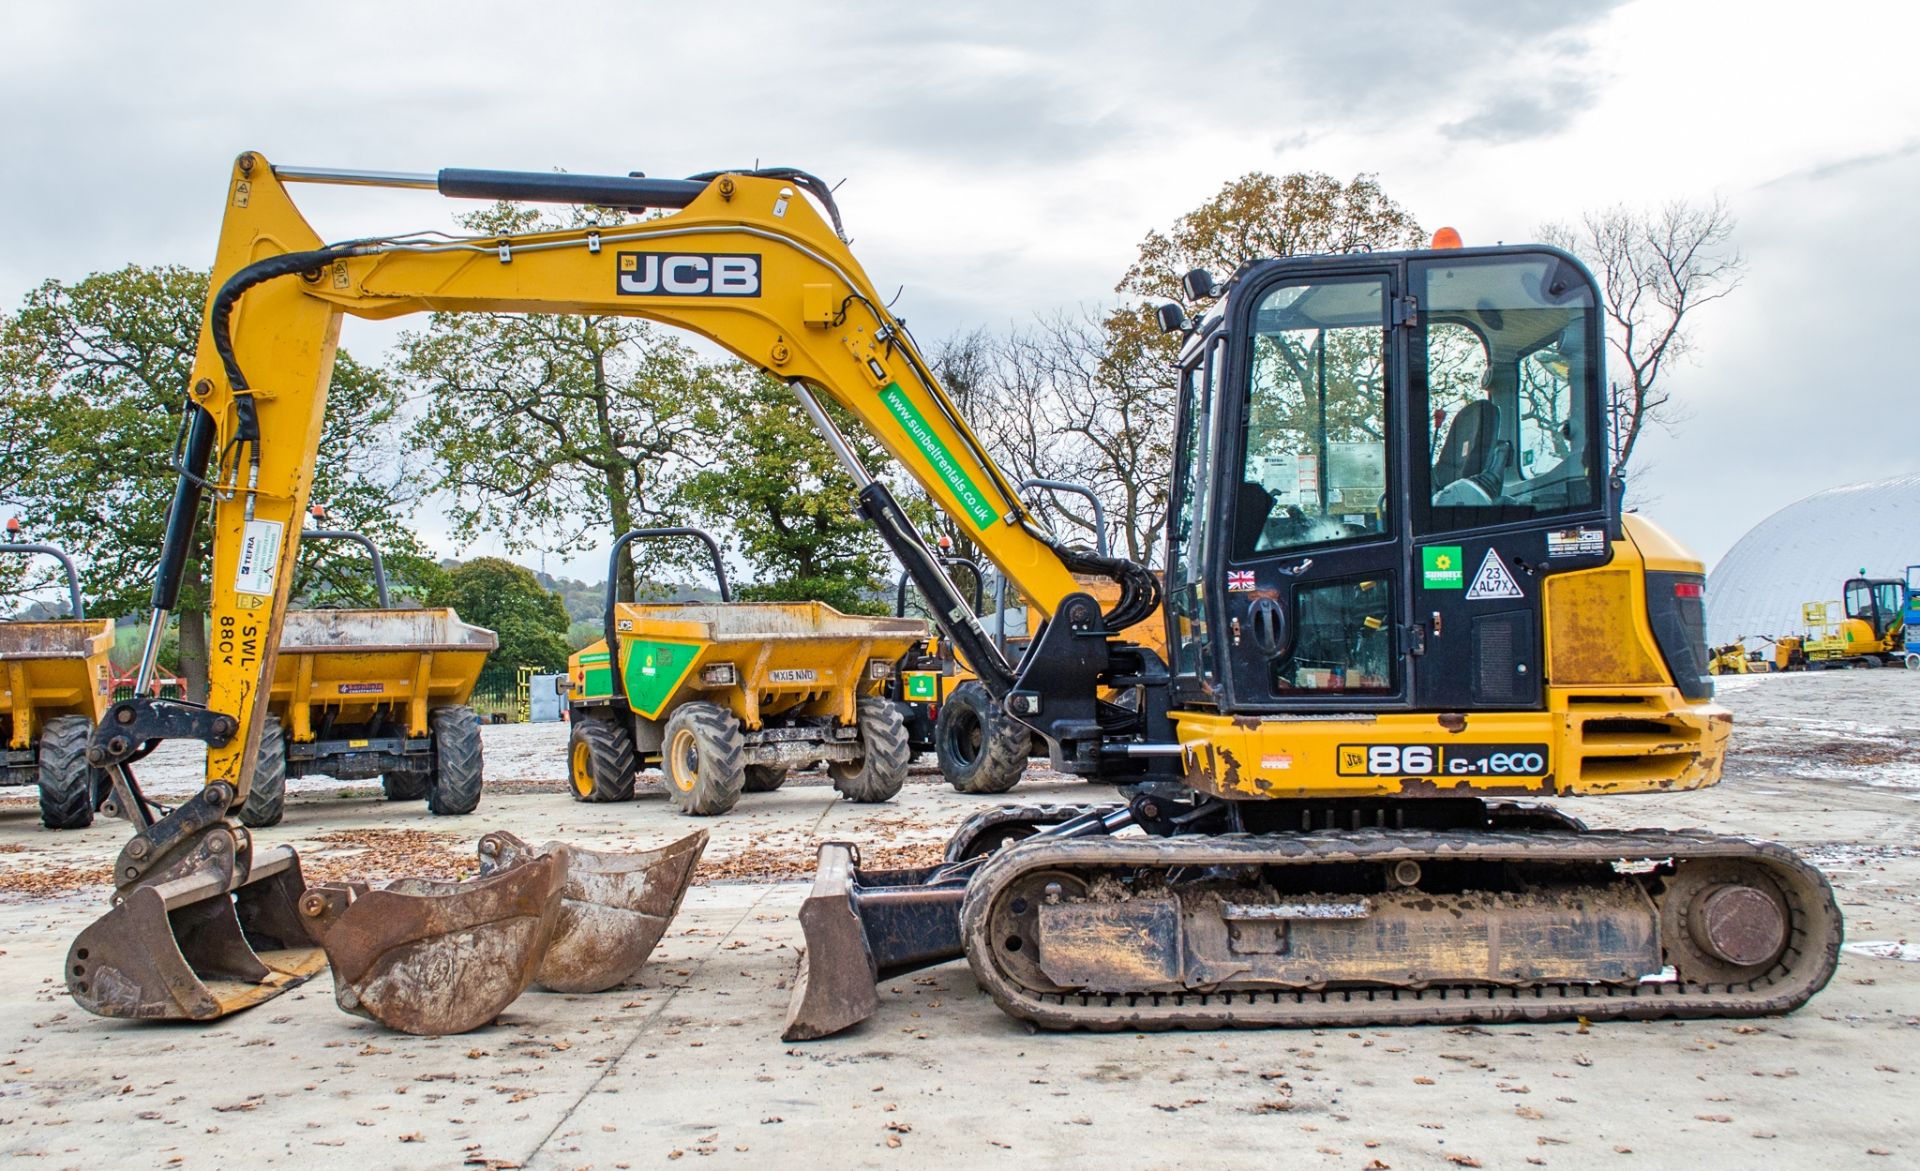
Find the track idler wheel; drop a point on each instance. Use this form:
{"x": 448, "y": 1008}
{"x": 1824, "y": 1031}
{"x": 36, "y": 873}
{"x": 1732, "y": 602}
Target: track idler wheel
{"x": 435, "y": 958}
{"x": 614, "y": 906}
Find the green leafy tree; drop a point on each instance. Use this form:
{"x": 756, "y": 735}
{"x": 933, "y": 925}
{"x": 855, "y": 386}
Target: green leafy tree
{"x": 509, "y": 600}
{"x": 786, "y": 498}
{"x": 556, "y": 430}
{"x": 93, "y": 377}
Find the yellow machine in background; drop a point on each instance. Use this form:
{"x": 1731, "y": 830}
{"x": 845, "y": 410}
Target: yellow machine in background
{"x": 54, "y": 679}
{"x": 729, "y": 698}
{"x": 1735, "y": 659}
{"x": 1364, "y": 656}
{"x": 358, "y": 694}
{"x": 1867, "y": 628}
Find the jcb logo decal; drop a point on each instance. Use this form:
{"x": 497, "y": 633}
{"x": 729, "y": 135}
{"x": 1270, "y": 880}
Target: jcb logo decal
{"x": 689, "y": 274}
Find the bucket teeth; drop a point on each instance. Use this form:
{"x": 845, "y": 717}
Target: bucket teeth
{"x": 615, "y": 906}
{"x": 435, "y": 958}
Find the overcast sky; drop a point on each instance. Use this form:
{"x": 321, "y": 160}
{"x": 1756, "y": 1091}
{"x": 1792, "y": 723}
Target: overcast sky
{"x": 1002, "y": 159}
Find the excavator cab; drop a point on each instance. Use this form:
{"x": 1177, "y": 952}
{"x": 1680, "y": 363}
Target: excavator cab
{"x": 1398, "y": 445}
{"x": 1880, "y": 603}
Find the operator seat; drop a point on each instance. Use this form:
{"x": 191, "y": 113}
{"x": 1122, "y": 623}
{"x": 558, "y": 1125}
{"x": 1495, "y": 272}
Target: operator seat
{"x": 1472, "y": 465}
{"x": 1250, "y": 511}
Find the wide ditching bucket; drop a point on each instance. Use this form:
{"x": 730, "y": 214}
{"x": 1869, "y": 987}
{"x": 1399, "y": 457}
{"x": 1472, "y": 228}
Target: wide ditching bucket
{"x": 213, "y": 929}
{"x": 434, "y": 958}
{"x": 614, "y": 906}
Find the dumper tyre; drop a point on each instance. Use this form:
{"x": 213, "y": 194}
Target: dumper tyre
{"x": 457, "y": 764}
{"x": 66, "y": 780}
{"x": 882, "y": 767}
{"x": 981, "y": 749}
{"x": 703, "y": 758}
{"x": 404, "y": 786}
{"x": 765, "y": 778}
{"x": 600, "y": 761}
{"x": 266, "y": 799}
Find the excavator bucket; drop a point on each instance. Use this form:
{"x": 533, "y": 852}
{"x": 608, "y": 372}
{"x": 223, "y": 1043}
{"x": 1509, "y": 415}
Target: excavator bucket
{"x": 861, "y": 929}
{"x": 201, "y": 925}
{"x": 435, "y": 958}
{"x": 198, "y": 946}
{"x": 614, "y": 906}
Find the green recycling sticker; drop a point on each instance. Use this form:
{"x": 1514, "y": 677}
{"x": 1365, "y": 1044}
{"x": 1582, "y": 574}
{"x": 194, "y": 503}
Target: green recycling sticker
{"x": 1440, "y": 568}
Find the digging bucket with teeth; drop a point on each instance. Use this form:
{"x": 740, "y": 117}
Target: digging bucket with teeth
{"x": 202, "y": 924}
{"x": 614, "y": 906}
{"x": 435, "y": 958}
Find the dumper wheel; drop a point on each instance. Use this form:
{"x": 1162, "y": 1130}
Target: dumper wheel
{"x": 600, "y": 760}
{"x": 267, "y": 796}
{"x": 703, "y": 759}
{"x": 404, "y": 786}
{"x": 882, "y": 767}
{"x": 765, "y": 778}
{"x": 457, "y": 765}
{"x": 66, "y": 781}
{"x": 981, "y": 748}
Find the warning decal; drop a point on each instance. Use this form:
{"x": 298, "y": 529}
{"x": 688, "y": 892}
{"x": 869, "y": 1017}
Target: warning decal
{"x": 1493, "y": 580}
{"x": 259, "y": 557}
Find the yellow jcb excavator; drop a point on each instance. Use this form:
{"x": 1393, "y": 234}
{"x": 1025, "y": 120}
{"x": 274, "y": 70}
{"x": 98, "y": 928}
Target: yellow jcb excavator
{"x": 1399, "y": 592}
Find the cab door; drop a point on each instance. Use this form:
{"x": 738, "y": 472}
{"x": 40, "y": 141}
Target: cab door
{"x": 1309, "y": 554}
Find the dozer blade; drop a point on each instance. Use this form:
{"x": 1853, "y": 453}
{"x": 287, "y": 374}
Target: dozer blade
{"x": 864, "y": 928}
{"x": 614, "y": 906}
{"x": 201, "y": 926}
{"x": 434, "y": 958}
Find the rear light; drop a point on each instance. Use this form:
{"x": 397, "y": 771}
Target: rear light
{"x": 1689, "y": 589}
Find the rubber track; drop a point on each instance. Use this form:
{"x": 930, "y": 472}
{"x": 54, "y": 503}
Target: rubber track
{"x": 459, "y": 767}
{"x": 1811, "y": 954}
{"x": 882, "y": 768}
{"x": 1039, "y": 815}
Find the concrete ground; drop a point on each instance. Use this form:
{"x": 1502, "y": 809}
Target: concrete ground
{"x": 686, "y": 1066}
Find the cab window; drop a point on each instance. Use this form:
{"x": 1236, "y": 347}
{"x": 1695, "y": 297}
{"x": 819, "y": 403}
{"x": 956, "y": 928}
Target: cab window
{"x": 1507, "y": 379}
{"x": 1314, "y": 469}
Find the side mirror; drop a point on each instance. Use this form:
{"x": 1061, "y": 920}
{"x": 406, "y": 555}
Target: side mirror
{"x": 1171, "y": 317}
{"x": 1198, "y": 285}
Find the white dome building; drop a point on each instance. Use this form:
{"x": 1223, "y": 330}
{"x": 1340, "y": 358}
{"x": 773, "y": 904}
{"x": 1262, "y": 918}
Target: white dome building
{"x": 1806, "y": 550}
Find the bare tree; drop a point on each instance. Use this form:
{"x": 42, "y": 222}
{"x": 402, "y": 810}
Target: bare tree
{"x": 1655, "y": 269}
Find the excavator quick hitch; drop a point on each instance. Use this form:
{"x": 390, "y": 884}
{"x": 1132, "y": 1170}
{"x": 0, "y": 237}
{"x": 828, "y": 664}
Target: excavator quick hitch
{"x": 201, "y": 924}
{"x": 614, "y": 906}
{"x": 434, "y": 958}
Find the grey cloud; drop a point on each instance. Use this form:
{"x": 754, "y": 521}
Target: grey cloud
{"x": 1846, "y": 166}
{"x": 1516, "y": 117}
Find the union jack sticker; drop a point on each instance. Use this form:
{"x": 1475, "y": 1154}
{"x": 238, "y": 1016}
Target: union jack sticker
{"x": 1240, "y": 581}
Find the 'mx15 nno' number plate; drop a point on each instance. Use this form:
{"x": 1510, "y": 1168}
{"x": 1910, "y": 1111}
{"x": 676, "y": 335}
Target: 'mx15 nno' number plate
{"x": 1443, "y": 760}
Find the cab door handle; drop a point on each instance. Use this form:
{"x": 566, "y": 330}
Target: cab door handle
{"x": 1267, "y": 622}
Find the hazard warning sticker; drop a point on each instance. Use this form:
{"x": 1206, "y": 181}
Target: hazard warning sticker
{"x": 1493, "y": 580}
